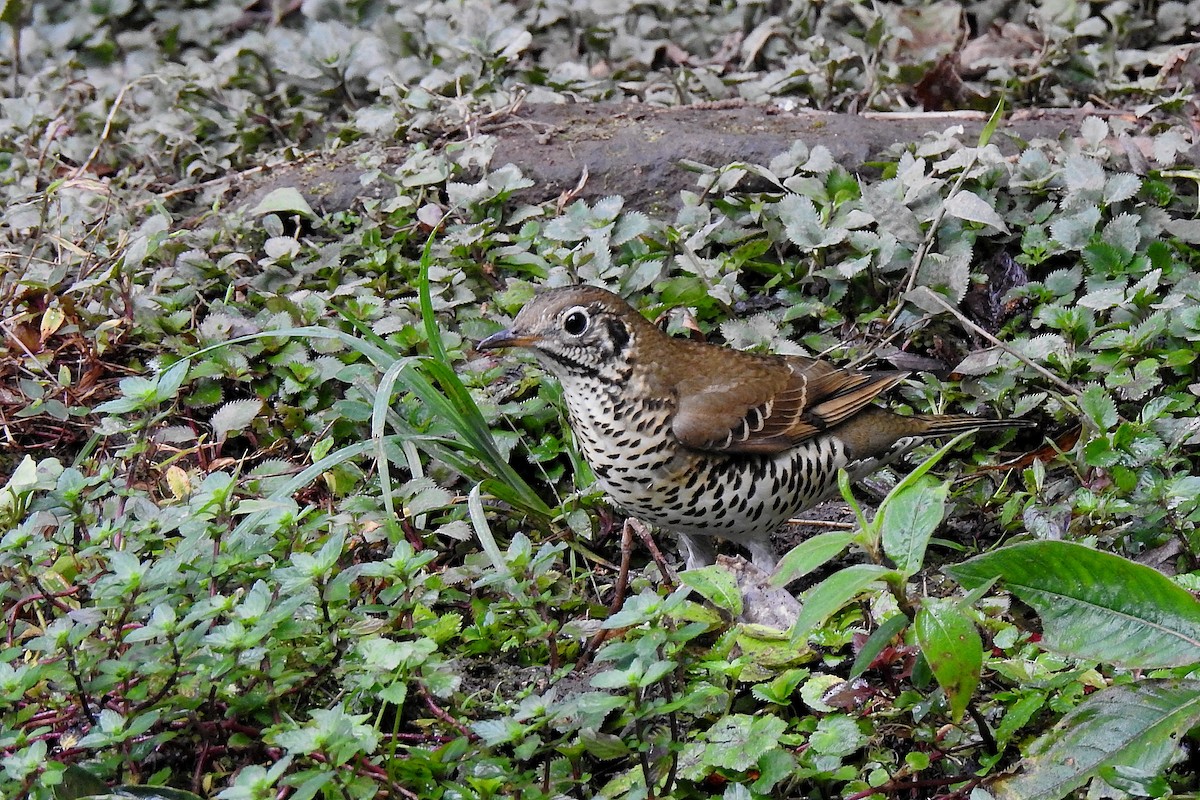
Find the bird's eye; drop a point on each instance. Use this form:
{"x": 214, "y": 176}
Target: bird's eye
{"x": 576, "y": 321}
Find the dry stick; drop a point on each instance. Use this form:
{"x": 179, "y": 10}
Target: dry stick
{"x": 639, "y": 527}
{"x": 112, "y": 113}
{"x": 926, "y": 243}
{"x": 824, "y": 523}
{"x": 618, "y": 595}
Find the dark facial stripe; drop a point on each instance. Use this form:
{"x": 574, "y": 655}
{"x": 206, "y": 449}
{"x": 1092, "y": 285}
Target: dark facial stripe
{"x": 617, "y": 334}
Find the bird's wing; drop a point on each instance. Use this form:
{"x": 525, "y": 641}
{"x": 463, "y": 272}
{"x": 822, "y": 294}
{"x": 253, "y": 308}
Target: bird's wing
{"x": 771, "y": 406}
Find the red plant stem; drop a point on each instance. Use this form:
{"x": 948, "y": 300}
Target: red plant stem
{"x": 441, "y": 713}
{"x": 37, "y": 598}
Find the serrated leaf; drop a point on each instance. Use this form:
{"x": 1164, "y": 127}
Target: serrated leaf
{"x": 1083, "y": 174}
{"x": 891, "y": 214}
{"x": 1040, "y": 347}
{"x": 234, "y": 417}
{"x": 803, "y": 224}
{"x": 737, "y": 741}
{"x": 1105, "y": 259}
{"x": 1093, "y": 130}
{"x": 1094, "y": 605}
{"x": 1121, "y": 186}
{"x": 1073, "y": 231}
{"x": 973, "y": 208}
{"x": 1099, "y": 406}
{"x": 1138, "y": 725}
{"x": 1103, "y": 299}
{"x": 952, "y": 647}
{"x": 1063, "y": 282}
{"x": 631, "y": 225}
{"x": 947, "y": 273}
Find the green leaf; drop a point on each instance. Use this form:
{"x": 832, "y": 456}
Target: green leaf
{"x": 973, "y": 208}
{"x": 170, "y": 379}
{"x": 831, "y": 594}
{"x": 77, "y": 783}
{"x": 1099, "y": 407}
{"x": 911, "y": 513}
{"x": 1137, "y": 726}
{"x": 737, "y": 741}
{"x": 989, "y": 129}
{"x": 285, "y": 200}
{"x": 1095, "y": 605}
{"x": 717, "y": 585}
{"x": 11, "y": 14}
{"x": 809, "y": 555}
{"x": 952, "y": 646}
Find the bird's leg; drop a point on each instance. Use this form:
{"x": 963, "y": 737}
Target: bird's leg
{"x": 762, "y": 554}
{"x": 699, "y": 551}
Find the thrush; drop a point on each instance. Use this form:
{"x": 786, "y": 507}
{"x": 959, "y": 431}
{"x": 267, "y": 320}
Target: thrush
{"x": 703, "y": 440}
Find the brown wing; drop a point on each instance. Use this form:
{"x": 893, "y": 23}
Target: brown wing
{"x": 769, "y": 405}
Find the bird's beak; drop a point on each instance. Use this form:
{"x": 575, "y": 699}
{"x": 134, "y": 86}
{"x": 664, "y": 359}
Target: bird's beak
{"x": 506, "y": 338}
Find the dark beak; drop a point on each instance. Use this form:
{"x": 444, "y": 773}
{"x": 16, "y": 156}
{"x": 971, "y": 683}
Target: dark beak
{"x": 506, "y": 338}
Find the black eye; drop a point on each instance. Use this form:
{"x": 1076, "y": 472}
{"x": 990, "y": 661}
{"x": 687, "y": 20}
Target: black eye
{"x": 576, "y": 321}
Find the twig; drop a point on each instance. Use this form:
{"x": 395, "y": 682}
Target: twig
{"x": 985, "y": 732}
{"x": 108, "y": 122}
{"x": 824, "y": 523}
{"x": 896, "y": 787}
{"x": 618, "y": 594}
{"x": 1050, "y": 376}
{"x": 643, "y": 533}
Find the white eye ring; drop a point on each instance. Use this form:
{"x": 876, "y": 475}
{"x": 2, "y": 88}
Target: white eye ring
{"x": 576, "y": 321}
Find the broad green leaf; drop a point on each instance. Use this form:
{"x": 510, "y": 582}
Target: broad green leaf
{"x": 952, "y": 646}
{"x": 912, "y": 513}
{"x": 153, "y": 793}
{"x": 170, "y": 379}
{"x": 831, "y": 594}
{"x": 1132, "y": 726}
{"x": 10, "y": 12}
{"x": 809, "y": 555}
{"x": 77, "y": 783}
{"x": 1095, "y": 605}
{"x": 717, "y": 585}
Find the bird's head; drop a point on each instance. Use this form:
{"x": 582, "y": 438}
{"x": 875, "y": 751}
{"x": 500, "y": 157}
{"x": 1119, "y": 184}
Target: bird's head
{"x": 576, "y": 331}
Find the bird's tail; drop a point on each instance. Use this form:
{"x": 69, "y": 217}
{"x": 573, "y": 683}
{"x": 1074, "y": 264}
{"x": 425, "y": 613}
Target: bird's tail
{"x": 937, "y": 425}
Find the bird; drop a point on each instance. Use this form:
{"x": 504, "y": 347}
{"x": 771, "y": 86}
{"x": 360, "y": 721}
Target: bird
{"x": 703, "y": 440}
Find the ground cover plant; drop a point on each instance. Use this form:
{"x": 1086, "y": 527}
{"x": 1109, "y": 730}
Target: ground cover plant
{"x": 270, "y": 527}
